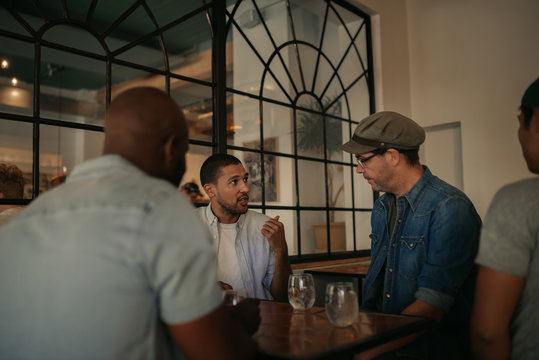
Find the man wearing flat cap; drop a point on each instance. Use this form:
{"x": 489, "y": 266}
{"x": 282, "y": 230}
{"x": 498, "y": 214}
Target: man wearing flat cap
{"x": 424, "y": 237}
{"x": 505, "y": 321}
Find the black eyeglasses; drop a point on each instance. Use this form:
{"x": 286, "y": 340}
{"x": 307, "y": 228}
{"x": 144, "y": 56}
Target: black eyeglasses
{"x": 361, "y": 162}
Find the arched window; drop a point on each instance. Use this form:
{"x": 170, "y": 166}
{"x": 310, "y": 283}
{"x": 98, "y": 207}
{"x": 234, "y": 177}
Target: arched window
{"x": 278, "y": 83}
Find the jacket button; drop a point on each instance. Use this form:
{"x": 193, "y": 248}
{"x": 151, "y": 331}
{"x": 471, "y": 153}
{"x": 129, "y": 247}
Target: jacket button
{"x": 390, "y": 269}
{"x": 388, "y": 295}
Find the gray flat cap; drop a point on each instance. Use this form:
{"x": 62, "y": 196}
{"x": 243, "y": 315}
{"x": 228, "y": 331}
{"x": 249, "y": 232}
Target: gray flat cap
{"x": 384, "y": 130}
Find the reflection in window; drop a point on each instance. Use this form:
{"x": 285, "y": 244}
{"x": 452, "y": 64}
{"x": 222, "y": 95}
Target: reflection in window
{"x": 295, "y": 77}
{"x": 301, "y": 70}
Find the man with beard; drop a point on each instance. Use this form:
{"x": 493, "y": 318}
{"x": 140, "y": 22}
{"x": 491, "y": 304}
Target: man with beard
{"x": 252, "y": 254}
{"x": 114, "y": 263}
{"x": 425, "y": 236}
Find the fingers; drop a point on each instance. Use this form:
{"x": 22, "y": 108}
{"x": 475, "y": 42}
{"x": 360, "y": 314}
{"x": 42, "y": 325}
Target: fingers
{"x": 274, "y": 223}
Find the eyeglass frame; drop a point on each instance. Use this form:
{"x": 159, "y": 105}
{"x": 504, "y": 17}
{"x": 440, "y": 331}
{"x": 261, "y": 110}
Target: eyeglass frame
{"x": 361, "y": 162}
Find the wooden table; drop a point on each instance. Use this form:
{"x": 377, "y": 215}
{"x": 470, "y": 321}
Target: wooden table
{"x": 353, "y": 270}
{"x": 355, "y": 273}
{"x": 286, "y": 333}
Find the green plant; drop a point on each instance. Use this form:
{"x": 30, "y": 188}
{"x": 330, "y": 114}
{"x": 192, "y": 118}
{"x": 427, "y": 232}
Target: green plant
{"x": 311, "y": 138}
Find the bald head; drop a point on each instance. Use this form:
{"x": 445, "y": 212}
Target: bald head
{"x": 145, "y": 126}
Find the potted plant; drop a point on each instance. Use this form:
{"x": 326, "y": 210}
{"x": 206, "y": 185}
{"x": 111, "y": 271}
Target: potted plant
{"x": 311, "y": 138}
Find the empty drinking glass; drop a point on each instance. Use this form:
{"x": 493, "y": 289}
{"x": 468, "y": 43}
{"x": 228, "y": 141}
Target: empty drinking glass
{"x": 301, "y": 291}
{"x": 231, "y": 297}
{"x": 341, "y": 303}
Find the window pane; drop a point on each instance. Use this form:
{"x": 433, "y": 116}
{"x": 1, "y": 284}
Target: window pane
{"x": 341, "y": 231}
{"x": 78, "y": 9}
{"x": 197, "y": 105}
{"x": 312, "y": 190}
{"x": 16, "y": 97}
{"x": 337, "y": 39}
{"x": 313, "y": 232}
{"x": 361, "y": 46}
{"x": 247, "y": 67}
{"x": 135, "y": 26}
{"x": 335, "y": 175}
{"x": 336, "y": 131}
{"x": 124, "y": 77}
{"x": 166, "y": 12}
{"x": 363, "y": 192}
{"x": 343, "y": 241}
{"x": 310, "y": 128}
{"x": 243, "y": 122}
{"x": 148, "y": 53}
{"x": 63, "y": 148}
{"x": 189, "y": 48}
{"x": 359, "y": 107}
{"x": 9, "y": 23}
{"x": 16, "y": 149}
{"x": 363, "y": 230}
{"x": 74, "y": 37}
{"x": 71, "y": 87}
{"x": 278, "y": 122}
{"x": 194, "y": 159}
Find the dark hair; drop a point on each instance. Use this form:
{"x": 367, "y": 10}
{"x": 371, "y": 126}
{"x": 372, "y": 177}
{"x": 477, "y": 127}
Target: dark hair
{"x": 528, "y": 113}
{"x": 411, "y": 156}
{"x": 11, "y": 181}
{"x": 209, "y": 172}
{"x": 190, "y": 187}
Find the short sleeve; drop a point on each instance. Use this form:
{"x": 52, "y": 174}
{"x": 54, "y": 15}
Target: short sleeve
{"x": 507, "y": 239}
{"x": 180, "y": 263}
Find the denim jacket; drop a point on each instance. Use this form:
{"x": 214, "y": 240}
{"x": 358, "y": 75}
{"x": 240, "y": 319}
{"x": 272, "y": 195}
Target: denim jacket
{"x": 255, "y": 256}
{"x": 431, "y": 251}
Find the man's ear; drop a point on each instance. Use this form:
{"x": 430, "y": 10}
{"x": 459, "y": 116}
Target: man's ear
{"x": 170, "y": 149}
{"x": 1, "y": 195}
{"x": 393, "y": 156}
{"x": 210, "y": 190}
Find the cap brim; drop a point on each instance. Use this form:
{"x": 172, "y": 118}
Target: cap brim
{"x": 355, "y": 148}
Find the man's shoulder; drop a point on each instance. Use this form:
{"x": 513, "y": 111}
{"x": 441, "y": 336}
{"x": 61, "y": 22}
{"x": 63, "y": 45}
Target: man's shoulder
{"x": 439, "y": 191}
{"x": 440, "y": 194}
{"x": 522, "y": 188}
{"x": 517, "y": 197}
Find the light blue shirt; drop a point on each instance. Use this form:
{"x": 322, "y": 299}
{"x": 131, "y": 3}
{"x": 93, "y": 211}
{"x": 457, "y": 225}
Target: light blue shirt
{"x": 255, "y": 257}
{"x": 95, "y": 268}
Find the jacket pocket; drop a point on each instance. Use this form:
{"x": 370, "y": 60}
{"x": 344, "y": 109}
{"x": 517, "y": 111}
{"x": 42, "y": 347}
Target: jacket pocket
{"x": 412, "y": 256}
{"x": 374, "y": 239}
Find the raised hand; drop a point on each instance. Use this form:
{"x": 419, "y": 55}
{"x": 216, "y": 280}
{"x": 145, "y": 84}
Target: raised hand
{"x": 273, "y": 230}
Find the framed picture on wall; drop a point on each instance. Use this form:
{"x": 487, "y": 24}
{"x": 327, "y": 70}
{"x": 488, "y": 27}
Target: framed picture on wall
{"x": 252, "y": 163}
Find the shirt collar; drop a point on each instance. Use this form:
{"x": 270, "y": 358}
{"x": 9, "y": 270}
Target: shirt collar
{"x": 414, "y": 195}
{"x": 212, "y": 219}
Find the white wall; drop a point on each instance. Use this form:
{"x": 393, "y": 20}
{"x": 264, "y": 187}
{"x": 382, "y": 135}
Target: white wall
{"x": 468, "y": 61}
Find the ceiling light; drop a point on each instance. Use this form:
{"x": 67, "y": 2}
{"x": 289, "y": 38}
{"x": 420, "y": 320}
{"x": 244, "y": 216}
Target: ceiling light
{"x": 14, "y": 81}
{"x": 5, "y": 64}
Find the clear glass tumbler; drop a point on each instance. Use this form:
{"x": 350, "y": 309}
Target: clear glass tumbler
{"x": 341, "y": 303}
{"x": 301, "y": 291}
{"x": 231, "y": 297}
